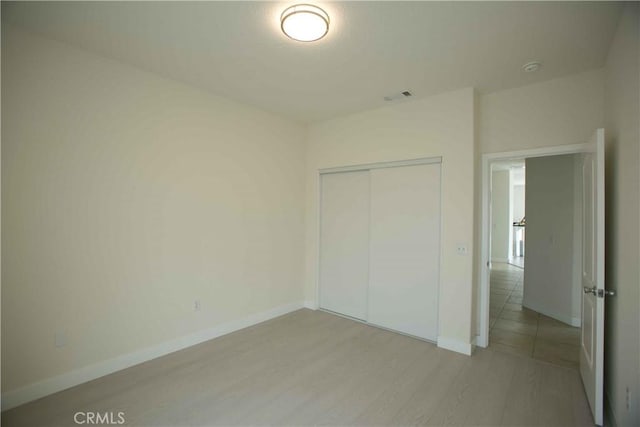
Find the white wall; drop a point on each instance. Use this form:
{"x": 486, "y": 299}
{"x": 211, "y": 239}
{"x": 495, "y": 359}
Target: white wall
{"x": 516, "y": 214}
{"x": 562, "y": 111}
{"x": 500, "y": 209}
{"x": 441, "y": 125}
{"x": 549, "y": 273}
{"x": 126, "y": 197}
{"x": 622, "y": 251}
{"x": 518, "y": 202}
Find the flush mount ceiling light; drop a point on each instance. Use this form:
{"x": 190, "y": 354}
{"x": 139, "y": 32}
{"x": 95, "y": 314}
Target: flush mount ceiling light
{"x": 304, "y": 22}
{"x": 532, "y": 67}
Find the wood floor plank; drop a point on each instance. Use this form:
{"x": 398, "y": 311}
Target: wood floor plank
{"x": 523, "y": 402}
{"x": 227, "y": 384}
{"x": 315, "y": 368}
{"x": 262, "y": 390}
{"x": 392, "y": 359}
{"x": 432, "y": 390}
{"x": 305, "y": 398}
{"x": 349, "y": 383}
{"x": 556, "y": 406}
{"x": 489, "y": 405}
{"x": 468, "y": 386}
{"x": 385, "y": 408}
{"x": 581, "y": 412}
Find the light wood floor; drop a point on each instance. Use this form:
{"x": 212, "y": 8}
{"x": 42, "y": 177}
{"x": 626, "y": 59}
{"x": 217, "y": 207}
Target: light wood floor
{"x": 314, "y": 368}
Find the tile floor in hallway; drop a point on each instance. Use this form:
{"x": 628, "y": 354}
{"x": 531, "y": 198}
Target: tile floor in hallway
{"x": 517, "y": 261}
{"x": 518, "y": 330}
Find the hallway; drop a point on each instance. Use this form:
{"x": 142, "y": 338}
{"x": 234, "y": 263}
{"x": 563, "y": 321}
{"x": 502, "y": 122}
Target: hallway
{"x": 517, "y": 330}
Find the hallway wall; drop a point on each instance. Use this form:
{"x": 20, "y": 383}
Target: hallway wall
{"x": 500, "y": 225}
{"x": 550, "y": 244}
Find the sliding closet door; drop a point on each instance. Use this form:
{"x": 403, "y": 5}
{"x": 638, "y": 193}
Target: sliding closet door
{"x": 344, "y": 243}
{"x": 405, "y": 249}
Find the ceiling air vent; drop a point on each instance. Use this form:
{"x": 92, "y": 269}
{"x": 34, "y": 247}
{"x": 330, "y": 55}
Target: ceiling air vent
{"x": 396, "y": 96}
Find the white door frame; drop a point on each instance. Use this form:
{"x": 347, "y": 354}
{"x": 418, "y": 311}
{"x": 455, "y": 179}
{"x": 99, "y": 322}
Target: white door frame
{"x": 488, "y": 159}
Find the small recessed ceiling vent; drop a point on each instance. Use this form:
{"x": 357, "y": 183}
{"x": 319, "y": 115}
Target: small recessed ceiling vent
{"x": 396, "y": 96}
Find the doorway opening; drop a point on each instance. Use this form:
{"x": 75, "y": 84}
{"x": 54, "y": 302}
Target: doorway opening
{"x": 506, "y": 308}
{"x": 508, "y": 220}
{"x": 535, "y": 309}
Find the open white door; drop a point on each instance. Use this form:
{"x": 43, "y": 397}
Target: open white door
{"x": 592, "y": 340}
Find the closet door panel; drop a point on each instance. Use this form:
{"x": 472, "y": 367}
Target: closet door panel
{"x": 344, "y": 243}
{"x": 405, "y": 249}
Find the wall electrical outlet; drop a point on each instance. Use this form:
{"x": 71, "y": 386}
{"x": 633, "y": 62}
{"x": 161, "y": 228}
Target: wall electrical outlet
{"x": 196, "y": 305}
{"x": 462, "y": 250}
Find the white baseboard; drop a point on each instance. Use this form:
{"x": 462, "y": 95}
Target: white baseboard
{"x": 477, "y": 342}
{"x": 455, "y": 345}
{"x": 573, "y": 321}
{"x": 61, "y": 382}
{"x": 310, "y": 304}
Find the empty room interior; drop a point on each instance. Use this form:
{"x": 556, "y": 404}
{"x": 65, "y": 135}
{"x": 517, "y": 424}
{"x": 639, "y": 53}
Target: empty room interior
{"x": 327, "y": 213}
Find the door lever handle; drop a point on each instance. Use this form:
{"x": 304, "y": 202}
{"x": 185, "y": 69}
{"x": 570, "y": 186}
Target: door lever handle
{"x": 601, "y": 293}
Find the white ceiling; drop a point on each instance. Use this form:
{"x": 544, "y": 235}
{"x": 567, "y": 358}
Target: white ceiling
{"x": 373, "y": 49}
